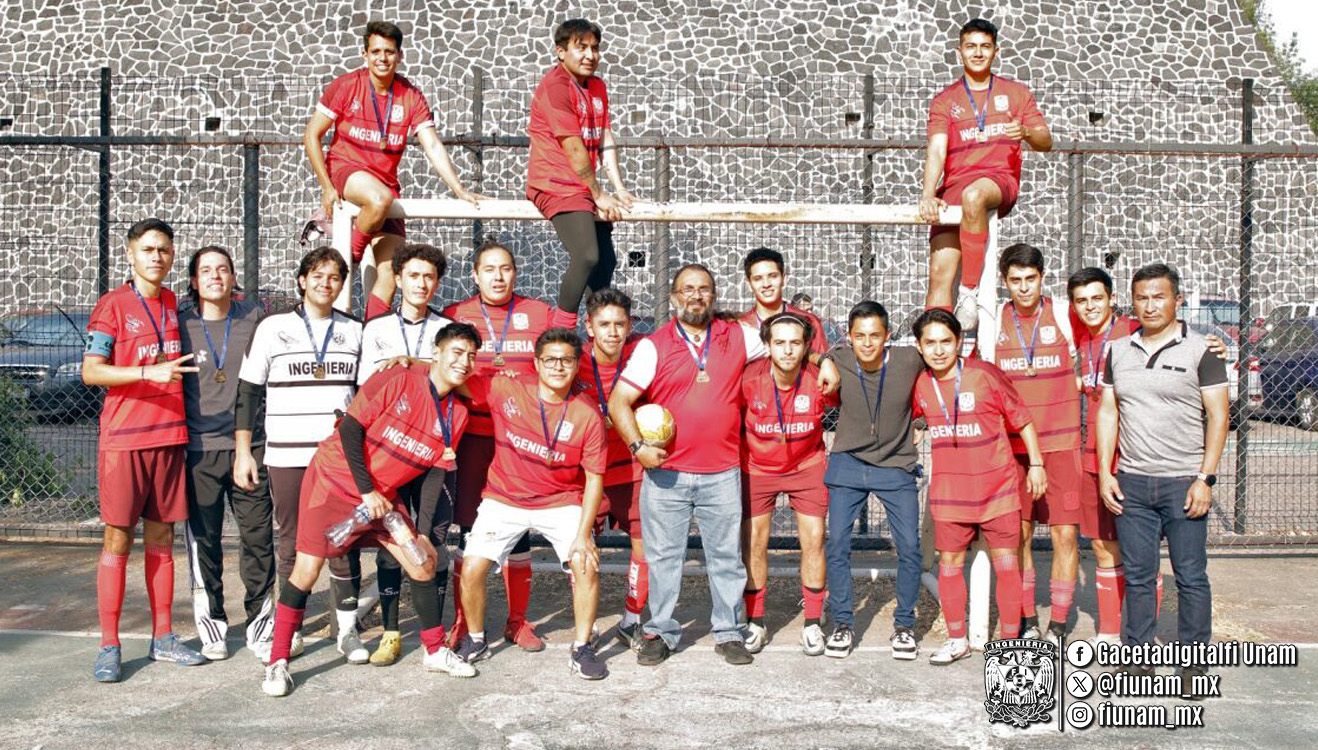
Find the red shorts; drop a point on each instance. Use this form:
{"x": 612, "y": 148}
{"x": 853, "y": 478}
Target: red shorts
{"x": 951, "y": 192}
{"x": 339, "y": 177}
{"x": 146, "y": 483}
{"x": 475, "y": 454}
{"x": 1096, "y": 521}
{"x": 1060, "y": 505}
{"x": 622, "y": 503}
{"x": 805, "y": 490}
{"x": 551, "y": 205}
{"x": 1003, "y": 532}
{"x": 333, "y": 504}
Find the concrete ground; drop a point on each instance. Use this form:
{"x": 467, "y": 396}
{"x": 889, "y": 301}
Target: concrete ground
{"x": 525, "y": 701}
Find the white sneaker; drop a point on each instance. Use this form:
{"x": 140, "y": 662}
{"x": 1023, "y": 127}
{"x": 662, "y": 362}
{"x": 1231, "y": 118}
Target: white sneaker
{"x": 1111, "y": 639}
{"x": 967, "y": 309}
{"x": 756, "y": 637}
{"x": 295, "y": 648}
{"x": 955, "y": 649}
{"x": 350, "y": 645}
{"x": 812, "y": 640}
{"x": 904, "y": 645}
{"x": 840, "y": 642}
{"x": 217, "y": 651}
{"x": 278, "y": 682}
{"x": 444, "y": 660}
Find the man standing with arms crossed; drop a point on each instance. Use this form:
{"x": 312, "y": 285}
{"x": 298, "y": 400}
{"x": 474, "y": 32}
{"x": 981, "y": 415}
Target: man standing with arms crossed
{"x": 133, "y": 350}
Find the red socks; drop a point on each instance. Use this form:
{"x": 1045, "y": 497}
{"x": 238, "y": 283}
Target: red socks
{"x": 459, "y": 628}
{"x": 1008, "y": 576}
{"x": 638, "y": 585}
{"x": 160, "y": 588}
{"x": 1110, "y": 584}
{"x": 814, "y": 603}
{"x": 375, "y": 306}
{"x": 972, "y": 256}
{"x": 1027, "y": 592}
{"x": 944, "y": 308}
{"x": 359, "y": 242}
{"x": 1061, "y": 594}
{"x": 432, "y": 638}
{"x": 952, "y": 598}
{"x": 517, "y": 578}
{"x": 288, "y": 620}
{"x": 110, "y": 595}
{"x": 754, "y": 599}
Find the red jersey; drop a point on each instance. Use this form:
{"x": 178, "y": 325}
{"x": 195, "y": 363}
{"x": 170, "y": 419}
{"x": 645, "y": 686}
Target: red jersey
{"x": 142, "y": 414}
{"x": 360, "y": 118}
{"x": 1092, "y": 353}
{"x": 765, "y": 451}
{"x": 952, "y": 112}
{"x": 1051, "y": 391}
{"x": 623, "y": 467}
{"x": 539, "y": 463}
{"x": 510, "y": 333}
{"x": 563, "y": 107}
{"x": 818, "y": 341}
{"x": 974, "y": 472}
{"x": 404, "y": 433}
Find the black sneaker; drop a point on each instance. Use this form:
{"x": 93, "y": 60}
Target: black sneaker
{"x": 1187, "y": 675}
{"x": 1056, "y": 634}
{"x": 734, "y": 652}
{"x": 904, "y": 645}
{"x": 586, "y": 665}
{"x": 472, "y": 651}
{"x": 652, "y": 651}
{"x": 1030, "y": 628}
{"x": 631, "y": 635}
{"x": 1135, "y": 670}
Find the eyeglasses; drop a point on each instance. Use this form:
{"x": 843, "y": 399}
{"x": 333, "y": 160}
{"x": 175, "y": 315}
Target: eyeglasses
{"x": 558, "y": 363}
{"x": 692, "y": 291}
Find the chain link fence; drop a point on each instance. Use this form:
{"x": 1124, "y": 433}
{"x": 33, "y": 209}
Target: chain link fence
{"x": 1143, "y": 171}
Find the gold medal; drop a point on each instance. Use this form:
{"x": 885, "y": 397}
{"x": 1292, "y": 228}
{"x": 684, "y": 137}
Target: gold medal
{"x": 220, "y": 377}
{"x": 608, "y": 423}
{"x": 703, "y": 377}
{"x": 161, "y": 358}
{"x": 384, "y": 143}
{"x": 498, "y": 360}
{"x": 981, "y": 135}
{"x": 783, "y": 438}
{"x": 449, "y": 454}
{"x": 319, "y": 372}
{"x": 1030, "y": 371}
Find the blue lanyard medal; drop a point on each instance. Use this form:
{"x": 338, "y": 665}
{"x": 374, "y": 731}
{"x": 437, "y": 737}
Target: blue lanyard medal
{"x": 497, "y": 342}
{"x": 319, "y": 372}
{"x": 544, "y": 425}
{"x": 160, "y": 336}
{"x": 383, "y": 123}
{"x": 955, "y": 417}
{"x": 220, "y": 357}
{"x": 778, "y": 402}
{"x": 445, "y": 423}
{"x": 699, "y": 355}
{"x": 1034, "y": 336}
{"x": 981, "y": 118}
{"x": 874, "y": 411}
{"x": 420, "y": 336}
{"x": 599, "y": 388}
{"x": 1089, "y": 355}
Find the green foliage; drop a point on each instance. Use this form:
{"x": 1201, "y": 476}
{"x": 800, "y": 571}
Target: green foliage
{"x": 1285, "y": 55}
{"x": 27, "y": 471}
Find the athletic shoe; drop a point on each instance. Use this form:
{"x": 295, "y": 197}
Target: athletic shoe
{"x": 953, "y": 650}
{"x": 457, "y": 633}
{"x": 1111, "y": 639}
{"x": 632, "y": 635}
{"x": 295, "y": 647}
{"x": 1187, "y": 675}
{"x": 217, "y": 651}
{"x": 278, "y": 682}
{"x": 472, "y": 651}
{"x": 812, "y": 640}
{"x": 350, "y": 645}
{"x": 387, "y": 650}
{"x": 444, "y": 660}
{"x": 524, "y": 635}
{"x": 904, "y": 645}
{"x": 756, "y": 637}
{"x": 967, "y": 309}
{"x": 169, "y": 648}
{"x": 107, "y": 666}
{"x": 584, "y": 664}
{"x": 839, "y": 643}
{"x": 1056, "y": 632}
{"x": 652, "y": 651}
{"x": 261, "y": 649}
{"x": 734, "y": 652}
{"x": 1030, "y": 628}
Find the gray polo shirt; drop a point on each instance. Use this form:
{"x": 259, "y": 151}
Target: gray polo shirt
{"x": 210, "y": 405}
{"x": 1160, "y": 402}
{"x": 889, "y": 445}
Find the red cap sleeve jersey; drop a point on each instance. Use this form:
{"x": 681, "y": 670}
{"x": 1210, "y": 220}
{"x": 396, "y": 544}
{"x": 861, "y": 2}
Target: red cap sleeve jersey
{"x": 526, "y": 472}
{"x": 530, "y": 318}
{"x": 764, "y": 451}
{"x": 818, "y": 341}
{"x": 1051, "y": 393}
{"x": 404, "y": 438}
{"x": 1092, "y": 355}
{"x": 622, "y": 467}
{"x": 952, "y": 113}
{"x": 561, "y": 107}
{"x": 974, "y": 473}
{"x": 142, "y": 414}
{"x": 355, "y": 145}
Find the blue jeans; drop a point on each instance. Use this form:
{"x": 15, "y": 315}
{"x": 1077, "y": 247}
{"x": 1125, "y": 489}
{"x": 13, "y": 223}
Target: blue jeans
{"x": 850, "y": 482}
{"x": 1154, "y": 508}
{"x": 669, "y": 499}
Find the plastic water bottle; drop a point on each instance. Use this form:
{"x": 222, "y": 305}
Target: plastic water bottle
{"x": 342, "y": 531}
{"x": 403, "y": 537}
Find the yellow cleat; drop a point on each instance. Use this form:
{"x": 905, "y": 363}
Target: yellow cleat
{"x": 386, "y": 653}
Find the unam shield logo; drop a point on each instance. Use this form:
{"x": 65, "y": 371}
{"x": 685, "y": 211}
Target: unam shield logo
{"x": 1048, "y": 334}
{"x": 966, "y": 402}
{"x": 397, "y": 114}
{"x": 1001, "y": 103}
{"x": 1019, "y": 681}
{"x": 802, "y": 404}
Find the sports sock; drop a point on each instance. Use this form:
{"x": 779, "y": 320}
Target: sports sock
{"x": 944, "y": 308}
{"x": 359, "y": 242}
{"x": 1007, "y": 573}
{"x": 952, "y": 599}
{"x": 1027, "y": 592}
{"x": 288, "y": 619}
{"x": 160, "y": 587}
{"x": 814, "y": 604}
{"x": 629, "y": 619}
{"x": 517, "y": 578}
{"x": 426, "y": 603}
{"x": 1060, "y": 596}
{"x": 389, "y": 577}
{"x": 110, "y": 583}
{"x": 638, "y": 586}
{"x": 375, "y": 306}
{"x": 345, "y": 592}
{"x": 1109, "y": 582}
{"x": 478, "y": 637}
{"x": 459, "y": 619}
{"x": 754, "y": 599}
{"x": 972, "y": 256}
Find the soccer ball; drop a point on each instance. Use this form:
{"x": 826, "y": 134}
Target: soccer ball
{"x": 656, "y": 424}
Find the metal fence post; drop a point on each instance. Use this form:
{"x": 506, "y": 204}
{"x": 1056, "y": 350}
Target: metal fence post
{"x": 478, "y": 150}
{"x": 663, "y": 240}
{"x": 252, "y": 220}
{"x": 1075, "y": 212}
{"x": 1244, "y": 347}
{"x": 867, "y": 196}
{"x": 103, "y": 193}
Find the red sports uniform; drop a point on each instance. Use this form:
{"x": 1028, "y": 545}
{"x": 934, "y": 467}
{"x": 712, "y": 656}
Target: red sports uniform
{"x": 404, "y": 439}
{"x": 622, "y": 477}
{"x": 818, "y": 341}
{"x": 563, "y": 107}
{"x": 783, "y": 453}
{"x": 533, "y": 470}
{"x": 1096, "y": 521}
{"x": 140, "y": 461}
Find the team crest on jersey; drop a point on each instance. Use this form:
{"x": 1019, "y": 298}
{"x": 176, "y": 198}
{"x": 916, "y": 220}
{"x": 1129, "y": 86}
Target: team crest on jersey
{"x": 339, "y": 338}
{"x": 285, "y": 340}
{"x": 381, "y": 345}
{"x": 402, "y": 406}
{"x": 396, "y": 115}
{"x": 132, "y": 324}
{"x": 802, "y": 404}
{"x": 1002, "y": 337}
{"x": 966, "y": 402}
{"x": 758, "y": 405}
{"x": 355, "y": 107}
{"x": 521, "y": 321}
{"x": 1000, "y": 103}
{"x": 957, "y": 111}
{"x": 1048, "y": 334}
{"x": 1019, "y": 682}
{"x": 599, "y": 103}
{"x": 510, "y": 409}
{"x": 565, "y": 430}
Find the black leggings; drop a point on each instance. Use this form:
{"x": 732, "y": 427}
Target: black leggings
{"x": 591, "y": 259}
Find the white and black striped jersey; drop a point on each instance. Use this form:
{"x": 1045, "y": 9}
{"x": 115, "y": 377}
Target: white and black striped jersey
{"x": 300, "y": 409}
{"x": 387, "y": 336}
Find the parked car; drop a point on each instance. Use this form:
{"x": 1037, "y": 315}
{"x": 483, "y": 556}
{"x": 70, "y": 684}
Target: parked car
{"x": 41, "y": 353}
{"x": 1284, "y": 373}
{"x": 1283, "y": 313}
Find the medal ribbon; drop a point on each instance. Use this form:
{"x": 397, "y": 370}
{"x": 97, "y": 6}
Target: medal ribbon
{"x": 324, "y": 347}
{"x": 544, "y": 424}
{"x": 420, "y": 337}
{"x": 701, "y": 354}
{"x": 883, "y": 377}
{"x": 445, "y": 425}
{"x": 1089, "y": 354}
{"x": 497, "y": 342}
{"x": 599, "y": 384}
{"x": 383, "y": 124}
{"x": 955, "y": 417}
{"x": 981, "y": 118}
{"x": 778, "y": 400}
{"x": 160, "y": 336}
{"x": 1034, "y": 335}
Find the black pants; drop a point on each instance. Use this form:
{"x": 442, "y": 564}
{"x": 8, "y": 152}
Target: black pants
{"x": 591, "y": 258}
{"x": 209, "y": 482}
{"x": 286, "y": 493}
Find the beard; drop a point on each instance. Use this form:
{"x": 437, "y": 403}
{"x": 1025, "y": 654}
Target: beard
{"x": 693, "y": 318}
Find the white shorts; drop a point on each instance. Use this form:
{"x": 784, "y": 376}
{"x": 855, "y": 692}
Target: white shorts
{"x": 498, "y": 526}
